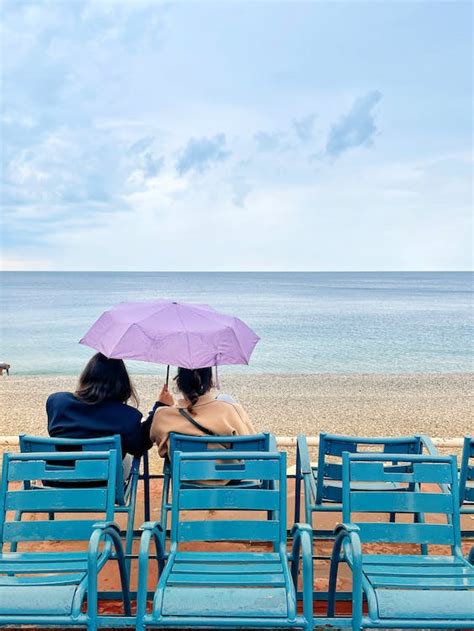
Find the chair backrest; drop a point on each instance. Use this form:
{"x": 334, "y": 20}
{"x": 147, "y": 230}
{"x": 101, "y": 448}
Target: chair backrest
{"x": 331, "y": 448}
{"x": 19, "y": 498}
{"x": 420, "y": 494}
{"x": 271, "y": 502}
{"x": 44, "y": 444}
{"x": 466, "y": 490}
{"x": 193, "y": 444}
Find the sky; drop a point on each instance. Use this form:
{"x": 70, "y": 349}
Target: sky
{"x": 234, "y": 135}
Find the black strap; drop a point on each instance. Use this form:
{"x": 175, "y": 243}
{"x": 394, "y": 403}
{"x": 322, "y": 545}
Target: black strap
{"x": 189, "y": 418}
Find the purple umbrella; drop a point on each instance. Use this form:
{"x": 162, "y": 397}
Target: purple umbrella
{"x": 166, "y": 332}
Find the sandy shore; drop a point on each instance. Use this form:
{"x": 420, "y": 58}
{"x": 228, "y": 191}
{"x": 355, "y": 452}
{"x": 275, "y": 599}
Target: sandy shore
{"x": 361, "y": 404}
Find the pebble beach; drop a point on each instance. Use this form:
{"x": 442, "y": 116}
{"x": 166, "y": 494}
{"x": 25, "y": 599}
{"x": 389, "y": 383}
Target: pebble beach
{"x": 440, "y": 405}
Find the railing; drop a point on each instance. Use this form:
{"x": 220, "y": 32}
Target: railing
{"x": 283, "y": 441}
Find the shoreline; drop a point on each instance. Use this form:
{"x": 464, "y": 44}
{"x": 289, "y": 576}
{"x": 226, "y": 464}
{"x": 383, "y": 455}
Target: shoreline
{"x": 438, "y": 404}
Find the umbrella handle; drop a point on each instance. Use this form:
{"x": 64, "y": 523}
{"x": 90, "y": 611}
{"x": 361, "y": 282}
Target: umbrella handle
{"x": 167, "y": 375}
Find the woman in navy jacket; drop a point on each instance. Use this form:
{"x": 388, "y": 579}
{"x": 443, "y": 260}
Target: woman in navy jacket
{"x": 99, "y": 407}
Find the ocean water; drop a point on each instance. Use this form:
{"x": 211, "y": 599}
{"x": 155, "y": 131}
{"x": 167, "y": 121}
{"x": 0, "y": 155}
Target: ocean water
{"x": 308, "y": 322}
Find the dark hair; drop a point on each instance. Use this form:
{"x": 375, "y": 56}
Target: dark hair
{"x": 194, "y": 383}
{"x": 105, "y": 379}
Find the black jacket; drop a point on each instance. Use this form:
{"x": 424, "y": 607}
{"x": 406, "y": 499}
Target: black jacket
{"x": 69, "y": 417}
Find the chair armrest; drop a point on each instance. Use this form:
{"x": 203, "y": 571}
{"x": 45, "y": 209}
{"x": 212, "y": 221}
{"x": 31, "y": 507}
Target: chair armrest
{"x": 298, "y": 529}
{"x": 150, "y": 525}
{"x": 302, "y": 447}
{"x": 346, "y": 535}
{"x": 347, "y": 528}
{"x": 151, "y": 530}
{"x": 104, "y": 525}
{"x": 135, "y": 468}
{"x": 303, "y": 541}
{"x": 110, "y": 531}
{"x": 272, "y": 443}
{"x": 428, "y": 445}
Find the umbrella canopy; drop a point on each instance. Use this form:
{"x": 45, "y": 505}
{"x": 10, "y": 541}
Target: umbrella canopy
{"x": 166, "y": 332}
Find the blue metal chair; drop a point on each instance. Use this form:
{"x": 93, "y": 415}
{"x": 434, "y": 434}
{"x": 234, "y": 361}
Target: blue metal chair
{"x": 125, "y": 487}
{"x": 49, "y": 588}
{"x": 194, "y": 444}
{"x": 323, "y": 484}
{"x": 223, "y": 588}
{"x": 466, "y": 482}
{"x": 403, "y": 590}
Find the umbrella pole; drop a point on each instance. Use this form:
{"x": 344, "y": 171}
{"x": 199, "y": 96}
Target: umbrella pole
{"x": 167, "y": 375}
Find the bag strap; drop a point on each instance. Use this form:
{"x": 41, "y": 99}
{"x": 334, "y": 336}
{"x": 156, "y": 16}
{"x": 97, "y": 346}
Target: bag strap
{"x": 189, "y": 418}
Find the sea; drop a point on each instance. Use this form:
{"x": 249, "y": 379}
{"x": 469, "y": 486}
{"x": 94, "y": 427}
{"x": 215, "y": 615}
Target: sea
{"x": 309, "y": 322}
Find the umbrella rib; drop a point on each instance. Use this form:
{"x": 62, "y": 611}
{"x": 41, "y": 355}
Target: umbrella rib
{"x": 187, "y": 333}
{"x": 125, "y": 333}
{"x": 240, "y": 345}
{"x": 150, "y": 315}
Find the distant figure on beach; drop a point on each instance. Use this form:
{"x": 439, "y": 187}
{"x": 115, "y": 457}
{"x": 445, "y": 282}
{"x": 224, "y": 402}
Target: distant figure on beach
{"x": 4, "y": 367}
{"x": 99, "y": 407}
{"x": 199, "y": 412}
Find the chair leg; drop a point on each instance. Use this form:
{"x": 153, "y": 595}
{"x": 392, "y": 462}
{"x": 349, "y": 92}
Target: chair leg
{"x": 332, "y": 587}
{"x": 146, "y": 487}
{"x": 418, "y": 518}
{"x": 130, "y": 527}
{"x": 14, "y": 545}
{"x": 164, "y": 504}
{"x": 298, "y": 488}
{"x": 129, "y": 543}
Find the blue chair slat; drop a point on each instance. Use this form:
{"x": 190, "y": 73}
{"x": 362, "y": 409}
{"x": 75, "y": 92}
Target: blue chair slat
{"x": 221, "y": 498}
{"x": 125, "y": 489}
{"x": 84, "y": 471}
{"x": 195, "y": 444}
{"x": 377, "y": 472}
{"x": 49, "y": 588}
{"x": 216, "y": 589}
{"x": 404, "y": 590}
{"x": 50, "y": 500}
{"x": 44, "y": 444}
{"x": 227, "y": 530}
{"x": 212, "y": 470}
{"x": 322, "y": 484}
{"x": 48, "y": 530}
{"x": 466, "y": 477}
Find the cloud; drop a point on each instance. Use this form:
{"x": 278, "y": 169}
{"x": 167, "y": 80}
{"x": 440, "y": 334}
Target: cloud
{"x": 200, "y": 153}
{"x": 304, "y": 127}
{"x": 146, "y": 160}
{"x": 355, "y": 129}
{"x": 268, "y": 142}
{"x": 142, "y": 144}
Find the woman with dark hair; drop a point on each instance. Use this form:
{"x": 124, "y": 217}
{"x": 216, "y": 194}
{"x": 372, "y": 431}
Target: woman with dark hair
{"x": 99, "y": 407}
{"x": 199, "y": 413}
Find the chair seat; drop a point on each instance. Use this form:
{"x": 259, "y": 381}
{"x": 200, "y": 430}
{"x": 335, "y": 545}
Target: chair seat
{"x": 41, "y": 583}
{"x": 36, "y": 599}
{"x": 243, "y": 585}
{"x": 46, "y": 585}
{"x": 242, "y": 484}
{"x": 421, "y": 587}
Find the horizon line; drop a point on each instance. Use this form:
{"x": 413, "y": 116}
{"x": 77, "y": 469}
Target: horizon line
{"x": 303, "y": 271}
